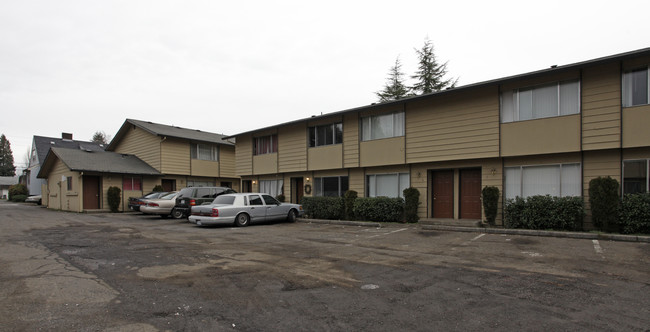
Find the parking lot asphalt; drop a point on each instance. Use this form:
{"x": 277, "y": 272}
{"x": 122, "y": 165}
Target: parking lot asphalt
{"x": 130, "y": 272}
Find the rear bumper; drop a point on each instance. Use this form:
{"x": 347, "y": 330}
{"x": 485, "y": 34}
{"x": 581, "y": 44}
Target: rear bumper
{"x": 204, "y": 220}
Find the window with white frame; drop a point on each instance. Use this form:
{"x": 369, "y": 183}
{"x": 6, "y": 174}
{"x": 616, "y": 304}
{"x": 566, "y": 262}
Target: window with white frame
{"x": 331, "y": 186}
{"x": 388, "y": 185}
{"x": 265, "y": 144}
{"x": 204, "y": 152}
{"x": 562, "y": 98}
{"x": 635, "y": 87}
{"x": 326, "y": 135}
{"x": 556, "y": 180}
{"x": 271, "y": 187}
{"x": 635, "y": 176}
{"x": 382, "y": 126}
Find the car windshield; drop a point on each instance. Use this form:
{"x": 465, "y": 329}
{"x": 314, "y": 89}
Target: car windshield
{"x": 224, "y": 200}
{"x": 169, "y": 196}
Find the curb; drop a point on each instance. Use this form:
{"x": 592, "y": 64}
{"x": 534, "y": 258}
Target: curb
{"x": 340, "y": 222}
{"x": 531, "y": 232}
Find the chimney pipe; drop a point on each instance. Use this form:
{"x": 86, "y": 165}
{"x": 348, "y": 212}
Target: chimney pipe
{"x": 66, "y": 136}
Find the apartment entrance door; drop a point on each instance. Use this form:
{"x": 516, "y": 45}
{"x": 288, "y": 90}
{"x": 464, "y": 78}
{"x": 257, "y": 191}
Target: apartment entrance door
{"x": 470, "y": 194}
{"x": 91, "y": 192}
{"x": 443, "y": 194}
{"x": 297, "y": 190}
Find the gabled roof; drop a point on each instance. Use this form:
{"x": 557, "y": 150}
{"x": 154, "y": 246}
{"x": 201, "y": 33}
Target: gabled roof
{"x": 43, "y": 145}
{"x": 552, "y": 69}
{"x": 168, "y": 131}
{"x": 8, "y": 180}
{"x": 96, "y": 161}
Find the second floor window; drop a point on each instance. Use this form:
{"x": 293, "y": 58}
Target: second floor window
{"x": 382, "y": 126}
{"x": 265, "y": 144}
{"x": 204, "y": 152}
{"x": 635, "y": 87}
{"x": 545, "y": 101}
{"x": 326, "y": 135}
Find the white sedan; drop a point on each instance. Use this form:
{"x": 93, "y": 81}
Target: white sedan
{"x": 162, "y": 206}
{"x": 242, "y": 209}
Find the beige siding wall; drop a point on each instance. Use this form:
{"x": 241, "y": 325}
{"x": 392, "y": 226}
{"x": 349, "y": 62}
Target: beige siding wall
{"x": 292, "y": 148}
{"x": 60, "y": 198}
{"x": 148, "y": 182}
{"x": 325, "y": 157}
{"x": 453, "y": 127}
{"x": 549, "y": 135}
{"x": 265, "y": 164}
{"x": 598, "y": 164}
{"x": 357, "y": 181}
{"x": 142, "y": 144}
{"x": 204, "y": 168}
{"x": 601, "y": 105}
{"x": 636, "y": 126}
{"x": 175, "y": 155}
{"x": 351, "y": 140}
{"x": 387, "y": 151}
{"x": 244, "y": 155}
{"x": 227, "y": 161}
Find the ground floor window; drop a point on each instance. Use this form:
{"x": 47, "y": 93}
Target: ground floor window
{"x": 388, "y": 185}
{"x": 555, "y": 180}
{"x": 271, "y": 187}
{"x": 635, "y": 176}
{"x": 132, "y": 183}
{"x": 331, "y": 186}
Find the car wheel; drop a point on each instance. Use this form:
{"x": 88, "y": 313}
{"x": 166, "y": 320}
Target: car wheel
{"x": 177, "y": 214}
{"x": 292, "y": 216}
{"x": 242, "y": 220}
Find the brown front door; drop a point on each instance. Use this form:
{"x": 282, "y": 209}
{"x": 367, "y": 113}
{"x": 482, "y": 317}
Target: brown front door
{"x": 470, "y": 194}
{"x": 169, "y": 185}
{"x": 443, "y": 194}
{"x": 91, "y": 192}
{"x": 299, "y": 191}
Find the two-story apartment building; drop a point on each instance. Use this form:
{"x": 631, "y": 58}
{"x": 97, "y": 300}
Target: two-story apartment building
{"x": 185, "y": 157}
{"x": 544, "y": 132}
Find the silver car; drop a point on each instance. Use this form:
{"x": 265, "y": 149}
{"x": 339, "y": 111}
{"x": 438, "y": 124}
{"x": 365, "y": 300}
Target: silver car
{"x": 162, "y": 206}
{"x": 242, "y": 209}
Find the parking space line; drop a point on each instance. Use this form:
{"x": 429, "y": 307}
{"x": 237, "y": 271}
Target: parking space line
{"x": 597, "y": 247}
{"x": 389, "y": 233}
{"x": 478, "y": 237}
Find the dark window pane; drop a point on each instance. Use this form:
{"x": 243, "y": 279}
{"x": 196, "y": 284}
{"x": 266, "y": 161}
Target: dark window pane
{"x": 344, "y": 185}
{"x": 270, "y": 200}
{"x": 312, "y": 137}
{"x": 339, "y": 133}
{"x": 640, "y": 87}
{"x": 331, "y": 186}
{"x": 635, "y": 176}
{"x": 255, "y": 200}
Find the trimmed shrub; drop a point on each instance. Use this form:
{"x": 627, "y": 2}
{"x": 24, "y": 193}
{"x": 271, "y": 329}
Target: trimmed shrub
{"x": 323, "y": 207}
{"x": 113, "y": 197}
{"x": 379, "y": 209}
{"x": 17, "y": 189}
{"x": 490, "y": 203}
{"x": 280, "y": 198}
{"x": 634, "y": 216}
{"x": 158, "y": 188}
{"x": 348, "y": 198}
{"x": 545, "y": 212}
{"x": 18, "y": 198}
{"x": 411, "y": 203}
{"x": 604, "y": 201}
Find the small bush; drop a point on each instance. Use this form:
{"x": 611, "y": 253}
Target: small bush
{"x": 634, "y": 216}
{"x": 17, "y": 189}
{"x": 490, "y": 203}
{"x": 604, "y": 201}
{"x": 331, "y": 208}
{"x": 113, "y": 197}
{"x": 158, "y": 188}
{"x": 349, "y": 198}
{"x": 18, "y": 198}
{"x": 411, "y": 202}
{"x": 379, "y": 209}
{"x": 280, "y": 198}
{"x": 545, "y": 212}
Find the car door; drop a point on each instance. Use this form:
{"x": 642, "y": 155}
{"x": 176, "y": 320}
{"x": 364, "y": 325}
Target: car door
{"x": 257, "y": 209}
{"x": 273, "y": 208}
{"x": 204, "y": 195}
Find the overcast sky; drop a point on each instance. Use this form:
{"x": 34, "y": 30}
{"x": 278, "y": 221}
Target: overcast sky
{"x": 229, "y": 67}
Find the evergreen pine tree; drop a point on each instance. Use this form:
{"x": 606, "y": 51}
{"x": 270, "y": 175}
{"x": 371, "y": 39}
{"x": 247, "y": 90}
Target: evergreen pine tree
{"x": 430, "y": 74}
{"x": 394, "y": 88}
{"x": 100, "y": 137}
{"x": 7, "y": 167}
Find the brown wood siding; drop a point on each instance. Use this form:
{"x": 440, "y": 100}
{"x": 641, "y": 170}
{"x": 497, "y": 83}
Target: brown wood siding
{"x": 601, "y": 105}
{"x": 292, "y": 148}
{"x": 541, "y": 136}
{"x": 175, "y": 155}
{"x": 142, "y": 144}
{"x": 636, "y": 121}
{"x": 227, "y": 161}
{"x": 453, "y": 127}
{"x": 244, "y": 155}
{"x": 351, "y": 140}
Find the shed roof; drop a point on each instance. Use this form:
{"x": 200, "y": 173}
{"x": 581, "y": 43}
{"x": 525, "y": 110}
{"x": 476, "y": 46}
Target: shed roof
{"x": 97, "y": 161}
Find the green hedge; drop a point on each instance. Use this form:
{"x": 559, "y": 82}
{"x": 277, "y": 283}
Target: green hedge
{"x": 411, "y": 202}
{"x": 17, "y": 190}
{"x": 113, "y": 197}
{"x": 18, "y": 198}
{"x": 545, "y": 212}
{"x": 379, "y": 209}
{"x": 604, "y": 201}
{"x": 348, "y": 199}
{"x": 634, "y": 214}
{"x": 323, "y": 207}
{"x": 490, "y": 197}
